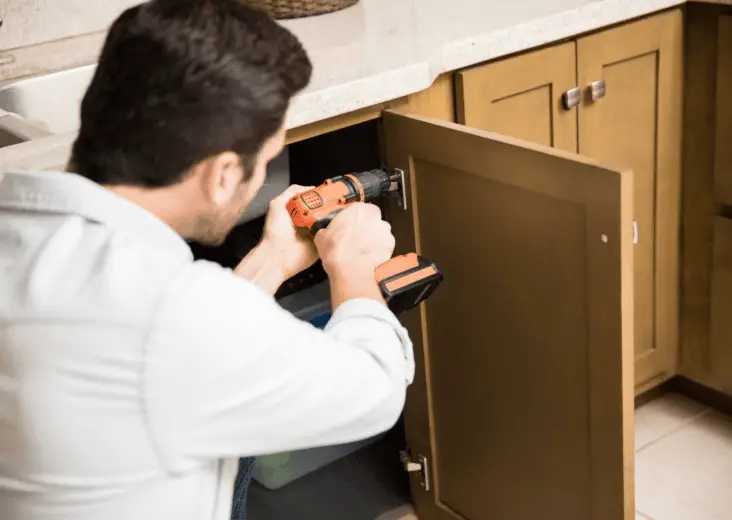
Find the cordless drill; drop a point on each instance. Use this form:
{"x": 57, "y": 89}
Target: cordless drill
{"x": 405, "y": 280}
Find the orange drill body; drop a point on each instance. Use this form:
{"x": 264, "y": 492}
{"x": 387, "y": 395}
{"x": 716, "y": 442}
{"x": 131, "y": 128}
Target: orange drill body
{"x": 314, "y": 209}
{"x": 405, "y": 280}
{"x": 319, "y": 204}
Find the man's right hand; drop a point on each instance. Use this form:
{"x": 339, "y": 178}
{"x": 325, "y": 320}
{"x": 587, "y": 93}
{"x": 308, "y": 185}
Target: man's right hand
{"x": 355, "y": 243}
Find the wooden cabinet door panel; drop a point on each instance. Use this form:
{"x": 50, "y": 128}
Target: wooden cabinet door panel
{"x": 637, "y": 123}
{"x": 723, "y": 153}
{"x": 721, "y": 305}
{"x": 522, "y": 403}
{"x": 522, "y": 97}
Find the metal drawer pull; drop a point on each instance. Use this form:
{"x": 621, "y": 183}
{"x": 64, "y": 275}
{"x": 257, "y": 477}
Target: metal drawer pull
{"x": 635, "y": 231}
{"x": 571, "y": 98}
{"x": 597, "y": 89}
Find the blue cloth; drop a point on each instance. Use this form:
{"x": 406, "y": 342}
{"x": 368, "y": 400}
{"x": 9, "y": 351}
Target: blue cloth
{"x": 241, "y": 487}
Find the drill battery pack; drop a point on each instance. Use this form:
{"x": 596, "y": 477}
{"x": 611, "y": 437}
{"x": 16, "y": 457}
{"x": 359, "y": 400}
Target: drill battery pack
{"x": 407, "y": 280}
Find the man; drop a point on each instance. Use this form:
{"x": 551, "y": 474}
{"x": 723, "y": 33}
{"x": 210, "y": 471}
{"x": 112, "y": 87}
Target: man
{"x": 131, "y": 377}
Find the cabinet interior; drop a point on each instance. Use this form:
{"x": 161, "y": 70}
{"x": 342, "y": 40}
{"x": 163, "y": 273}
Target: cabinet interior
{"x": 366, "y": 485}
{"x": 370, "y": 483}
{"x": 313, "y": 160}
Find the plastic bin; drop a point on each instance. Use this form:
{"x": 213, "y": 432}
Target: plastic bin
{"x": 275, "y": 471}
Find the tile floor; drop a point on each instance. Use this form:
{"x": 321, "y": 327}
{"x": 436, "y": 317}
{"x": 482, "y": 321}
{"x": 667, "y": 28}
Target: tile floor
{"x": 683, "y": 461}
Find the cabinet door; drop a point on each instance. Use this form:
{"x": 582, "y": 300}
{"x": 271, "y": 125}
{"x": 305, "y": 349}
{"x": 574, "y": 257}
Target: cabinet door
{"x": 522, "y": 97}
{"x": 721, "y": 305}
{"x": 522, "y": 404}
{"x": 723, "y": 152}
{"x": 637, "y": 123}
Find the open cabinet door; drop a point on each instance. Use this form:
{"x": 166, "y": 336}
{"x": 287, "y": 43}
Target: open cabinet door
{"x": 523, "y": 402}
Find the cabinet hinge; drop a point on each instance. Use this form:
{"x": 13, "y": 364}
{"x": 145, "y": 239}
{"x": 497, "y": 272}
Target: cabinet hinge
{"x": 419, "y": 465}
{"x": 400, "y": 188}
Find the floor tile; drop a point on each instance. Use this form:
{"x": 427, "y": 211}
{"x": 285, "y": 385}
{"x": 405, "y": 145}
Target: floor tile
{"x": 662, "y": 416}
{"x": 687, "y": 475}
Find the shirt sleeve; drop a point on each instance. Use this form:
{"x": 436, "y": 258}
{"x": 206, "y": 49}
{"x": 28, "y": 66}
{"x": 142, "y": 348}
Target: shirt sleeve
{"x": 230, "y": 373}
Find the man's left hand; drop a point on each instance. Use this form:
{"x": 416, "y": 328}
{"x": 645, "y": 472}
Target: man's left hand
{"x": 293, "y": 249}
{"x": 283, "y": 251}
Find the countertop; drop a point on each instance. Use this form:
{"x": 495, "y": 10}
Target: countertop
{"x": 380, "y": 50}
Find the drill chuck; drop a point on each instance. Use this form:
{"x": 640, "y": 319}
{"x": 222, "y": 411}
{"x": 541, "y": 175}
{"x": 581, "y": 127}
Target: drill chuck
{"x": 366, "y": 186}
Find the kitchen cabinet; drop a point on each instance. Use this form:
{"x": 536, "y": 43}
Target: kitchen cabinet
{"x": 637, "y": 123}
{"x": 523, "y": 97}
{"x": 522, "y": 403}
{"x": 628, "y": 112}
{"x": 721, "y": 304}
{"x": 723, "y": 155}
{"x": 710, "y": 362}
{"x": 707, "y": 195}
{"x": 522, "y": 406}
{"x": 721, "y": 286}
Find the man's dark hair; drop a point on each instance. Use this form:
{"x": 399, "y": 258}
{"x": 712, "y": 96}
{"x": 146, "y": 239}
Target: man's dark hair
{"x": 179, "y": 81}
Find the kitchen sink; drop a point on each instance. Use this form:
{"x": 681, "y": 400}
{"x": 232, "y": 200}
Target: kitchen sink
{"x": 36, "y": 99}
{"x": 14, "y": 130}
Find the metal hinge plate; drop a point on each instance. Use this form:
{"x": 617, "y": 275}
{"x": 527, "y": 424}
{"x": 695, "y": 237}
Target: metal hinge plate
{"x": 419, "y": 465}
{"x": 401, "y": 189}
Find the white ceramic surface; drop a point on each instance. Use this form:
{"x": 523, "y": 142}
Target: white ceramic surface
{"x": 37, "y": 99}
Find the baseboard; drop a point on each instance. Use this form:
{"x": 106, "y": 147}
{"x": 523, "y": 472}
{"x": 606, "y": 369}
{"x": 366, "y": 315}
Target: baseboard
{"x": 653, "y": 393}
{"x": 691, "y": 389}
{"x": 703, "y": 394}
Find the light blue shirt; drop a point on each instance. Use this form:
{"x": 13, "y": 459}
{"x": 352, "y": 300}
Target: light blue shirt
{"x": 132, "y": 377}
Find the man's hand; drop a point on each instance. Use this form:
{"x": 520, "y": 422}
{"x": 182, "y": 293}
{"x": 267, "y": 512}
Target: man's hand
{"x": 293, "y": 248}
{"x": 283, "y": 251}
{"x": 351, "y": 247}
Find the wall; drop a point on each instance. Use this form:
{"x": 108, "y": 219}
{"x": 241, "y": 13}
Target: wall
{"x": 43, "y": 35}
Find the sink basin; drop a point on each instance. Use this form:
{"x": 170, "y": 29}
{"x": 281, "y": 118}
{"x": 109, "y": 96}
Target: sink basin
{"x": 17, "y": 139}
{"x": 14, "y": 130}
{"x": 9, "y": 138}
{"x": 36, "y": 99}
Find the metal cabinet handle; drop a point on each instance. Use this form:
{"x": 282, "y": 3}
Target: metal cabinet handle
{"x": 597, "y": 89}
{"x": 571, "y": 98}
{"x": 635, "y": 231}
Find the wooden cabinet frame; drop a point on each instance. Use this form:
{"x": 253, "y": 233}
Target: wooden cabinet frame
{"x": 706, "y": 193}
{"x": 635, "y": 122}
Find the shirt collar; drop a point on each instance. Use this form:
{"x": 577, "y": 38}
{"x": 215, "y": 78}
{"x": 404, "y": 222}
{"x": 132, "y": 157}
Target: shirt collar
{"x": 68, "y": 193}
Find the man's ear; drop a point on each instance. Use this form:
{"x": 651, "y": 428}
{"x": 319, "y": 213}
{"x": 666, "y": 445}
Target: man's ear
{"x": 221, "y": 177}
